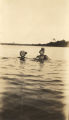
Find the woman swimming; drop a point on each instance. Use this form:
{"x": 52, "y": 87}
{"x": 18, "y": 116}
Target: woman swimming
{"x": 41, "y": 57}
{"x": 22, "y": 55}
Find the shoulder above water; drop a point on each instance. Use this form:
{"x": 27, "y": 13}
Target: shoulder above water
{"x": 41, "y": 57}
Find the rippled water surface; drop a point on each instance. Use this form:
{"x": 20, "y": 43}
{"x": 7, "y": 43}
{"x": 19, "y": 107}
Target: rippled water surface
{"x": 32, "y": 90}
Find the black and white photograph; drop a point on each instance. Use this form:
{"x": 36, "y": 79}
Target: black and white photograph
{"x": 34, "y": 59}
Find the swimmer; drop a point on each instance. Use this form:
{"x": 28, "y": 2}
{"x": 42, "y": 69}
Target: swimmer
{"x": 41, "y": 57}
{"x": 22, "y": 55}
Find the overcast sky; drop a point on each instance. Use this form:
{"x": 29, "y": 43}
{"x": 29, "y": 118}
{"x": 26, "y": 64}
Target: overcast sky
{"x": 34, "y": 21}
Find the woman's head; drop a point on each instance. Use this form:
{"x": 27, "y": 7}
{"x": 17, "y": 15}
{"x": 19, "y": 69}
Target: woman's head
{"x": 42, "y": 51}
{"x": 23, "y": 53}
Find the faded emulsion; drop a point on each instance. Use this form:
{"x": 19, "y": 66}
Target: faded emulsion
{"x": 34, "y": 59}
{"x": 31, "y": 90}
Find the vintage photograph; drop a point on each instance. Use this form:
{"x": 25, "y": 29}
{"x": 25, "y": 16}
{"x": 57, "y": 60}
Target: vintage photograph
{"x": 34, "y": 59}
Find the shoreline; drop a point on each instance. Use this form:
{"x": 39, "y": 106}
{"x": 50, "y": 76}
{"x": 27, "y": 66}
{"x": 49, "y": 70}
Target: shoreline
{"x": 61, "y": 43}
{"x": 31, "y": 45}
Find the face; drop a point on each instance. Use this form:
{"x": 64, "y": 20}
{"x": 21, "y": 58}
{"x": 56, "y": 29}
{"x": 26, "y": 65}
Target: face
{"x": 23, "y": 54}
{"x": 42, "y": 52}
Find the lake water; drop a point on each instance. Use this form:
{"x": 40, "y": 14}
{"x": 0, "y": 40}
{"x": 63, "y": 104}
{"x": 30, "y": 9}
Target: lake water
{"x": 32, "y": 90}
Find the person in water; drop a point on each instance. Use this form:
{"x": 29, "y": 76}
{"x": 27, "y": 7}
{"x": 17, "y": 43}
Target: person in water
{"x": 22, "y": 55}
{"x": 42, "y": 57}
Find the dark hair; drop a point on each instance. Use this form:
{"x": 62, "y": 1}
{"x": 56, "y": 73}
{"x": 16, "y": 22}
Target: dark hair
{"x": 22, "y": 53}
{"x": 25, "y": 52}
{"x": 42, "y": 49}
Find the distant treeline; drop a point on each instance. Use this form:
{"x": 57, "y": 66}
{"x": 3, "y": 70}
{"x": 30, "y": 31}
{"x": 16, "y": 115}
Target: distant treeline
{"x": 61, "y": 43}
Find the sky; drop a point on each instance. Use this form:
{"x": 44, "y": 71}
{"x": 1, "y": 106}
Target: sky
{"x": 34, "y": 21}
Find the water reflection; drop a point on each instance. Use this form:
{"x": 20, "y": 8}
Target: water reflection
{"x": 20, "y": 106}
{"x": 31, "y": 97}
{"x": 16, "y": 109}
{"x": 32, "y": 91}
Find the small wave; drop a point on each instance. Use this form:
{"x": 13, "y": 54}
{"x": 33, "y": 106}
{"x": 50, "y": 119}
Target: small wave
{"x": 4, "y": 58}
{"x": 7, "y": 78}
{"x": 53, "y": 73}
{"x": 24, "y": 75}
{"x": 54, "y": 81}
{"x": 51, "y": 91}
